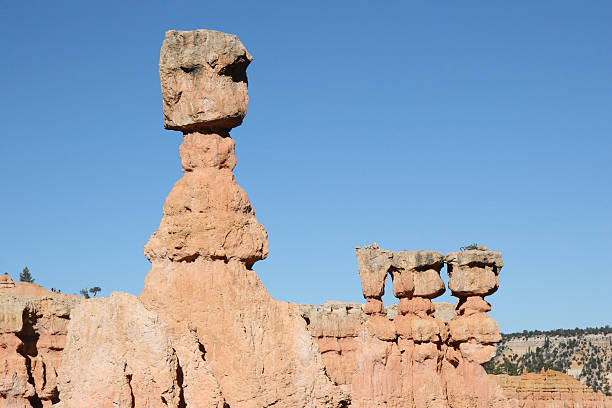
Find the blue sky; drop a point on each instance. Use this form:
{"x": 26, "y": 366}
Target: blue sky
{"x": 418, "y": 125}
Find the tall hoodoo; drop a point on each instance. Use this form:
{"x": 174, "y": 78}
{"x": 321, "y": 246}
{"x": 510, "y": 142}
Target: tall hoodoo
{"x": 204, "y": 88}
{"x": 201, "y": 279}
{"x": 473, "y": 274}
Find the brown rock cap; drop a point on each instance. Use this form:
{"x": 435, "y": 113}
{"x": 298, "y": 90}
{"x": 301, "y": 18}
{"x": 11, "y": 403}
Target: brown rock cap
{"x": 414, "y": 272}
{"x": 475, "y": 257}
{"x": 203, "y": 80}
{"x": 474, "y": 272}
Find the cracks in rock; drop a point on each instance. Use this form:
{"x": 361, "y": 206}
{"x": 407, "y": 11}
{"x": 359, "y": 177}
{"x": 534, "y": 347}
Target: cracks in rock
{"x": 194, "y": 69}
{"x": 202, "y": 350}
{"x": 344, "y": 403}
{"x": 179, "y": 382}
{"x": 27, "y": 349}
{"x": 237, "y": 69}
{"x": 129, "y": 383}
{"x": 189, "y": 258}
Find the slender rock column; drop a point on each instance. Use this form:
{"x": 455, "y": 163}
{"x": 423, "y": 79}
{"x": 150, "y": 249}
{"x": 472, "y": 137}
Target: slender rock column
{"x": 373, "y": 266}
{"x": 472, "y": 334}
{"x": 474, "y": 275}
{"x": 412, "y": 345}
{"x": 416, "y": 280}
{"x": 421, "y": 336}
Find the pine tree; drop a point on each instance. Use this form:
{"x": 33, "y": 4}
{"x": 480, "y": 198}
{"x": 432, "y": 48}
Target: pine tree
{"x": 25, "y": 276}
{"x": 95, "y": 290}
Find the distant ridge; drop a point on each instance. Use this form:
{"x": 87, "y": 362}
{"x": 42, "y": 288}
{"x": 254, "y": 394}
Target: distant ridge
{"x": 585, "y": 354}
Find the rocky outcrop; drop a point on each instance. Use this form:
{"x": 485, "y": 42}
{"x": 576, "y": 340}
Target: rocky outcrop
{"x": 136, "y": 363}
{"x": 549, "y": 389}
{"x": 202, "y": 254}
{"x": 416, "y": 354}
{"x": 32, "y": 337}
{"x": 473, "y": 274}
{"x": 9, "y": 287}
{"x": 6, "y": 283}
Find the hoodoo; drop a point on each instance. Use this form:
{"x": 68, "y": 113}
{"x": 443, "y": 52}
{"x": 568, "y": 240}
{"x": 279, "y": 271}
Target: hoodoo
{"x": 202, "y": 254}
{"x": 205, "y": 333}
{"x": 413, "y": 360}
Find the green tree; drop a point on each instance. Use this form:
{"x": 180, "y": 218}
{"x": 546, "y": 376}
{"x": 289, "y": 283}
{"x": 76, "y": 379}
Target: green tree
{"x": 85, "y": 293}
{"x": 511, "y": 368}
{"x": 25, "y": 276}
{"x": 95, "y": 290}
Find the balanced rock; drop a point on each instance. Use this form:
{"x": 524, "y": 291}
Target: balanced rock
{"x": 203, "y": 80}
{"x": 202, "y": 255}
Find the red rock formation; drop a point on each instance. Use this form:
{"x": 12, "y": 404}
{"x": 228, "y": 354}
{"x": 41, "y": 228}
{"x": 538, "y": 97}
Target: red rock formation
{"x": 209, "y": 239}
{"x": 410, "y": 361}
{"x": 205, "y": 332}
{"x": 472, "y": 334}
{"x": 549, "y": 389}
{"x": 32, "y": 337}
{"x": 136, "y": 363}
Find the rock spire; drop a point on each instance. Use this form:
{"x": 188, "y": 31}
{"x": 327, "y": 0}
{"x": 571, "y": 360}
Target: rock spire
{"x": 202, "y": 255}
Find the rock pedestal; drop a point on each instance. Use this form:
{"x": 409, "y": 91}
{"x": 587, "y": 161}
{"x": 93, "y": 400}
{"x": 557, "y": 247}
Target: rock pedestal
{"x": 473, "y": 274}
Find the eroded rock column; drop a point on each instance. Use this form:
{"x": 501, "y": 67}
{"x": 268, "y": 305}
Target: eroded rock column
{"x": 400, "y": 359}
{"x": 202, "y": 255}
{"x": 421, "y": 336}
{"x": 474, "y": 275}
{"x": 472, "y": 334}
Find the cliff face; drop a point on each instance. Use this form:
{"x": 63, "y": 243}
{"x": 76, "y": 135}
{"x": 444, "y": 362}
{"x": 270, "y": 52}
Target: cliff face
{"x": 585, "y": 354}
{"x": 204, "y": 332}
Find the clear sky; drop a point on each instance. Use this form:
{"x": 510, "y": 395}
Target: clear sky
{"x": 416, "y": 124}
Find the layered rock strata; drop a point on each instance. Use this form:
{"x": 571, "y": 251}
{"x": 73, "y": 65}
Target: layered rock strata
{"x": 202, "y": 254}
{"x": 549, "y": 389}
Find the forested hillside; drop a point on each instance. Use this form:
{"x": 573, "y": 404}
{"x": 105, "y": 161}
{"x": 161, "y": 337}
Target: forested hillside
{"x": 585, "y": 354}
